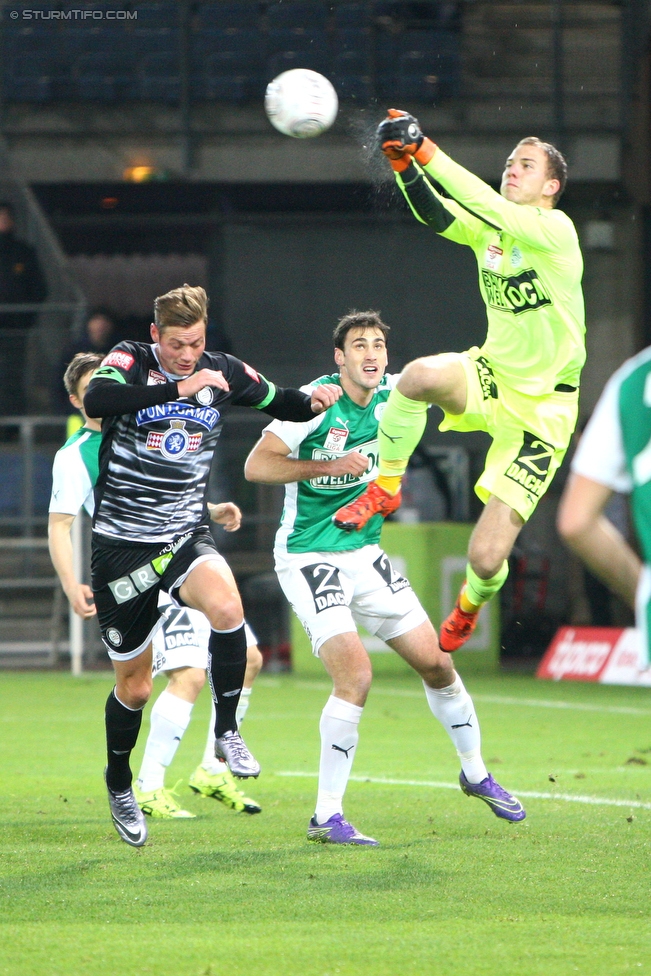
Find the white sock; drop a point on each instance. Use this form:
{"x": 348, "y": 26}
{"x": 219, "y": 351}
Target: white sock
{"x": 243, "y": 705}
{"x": 454, "y": 709}
{"x": 169, "y": 719}
{"x": 209, "y": 762}
{"x": 339, "y": 737}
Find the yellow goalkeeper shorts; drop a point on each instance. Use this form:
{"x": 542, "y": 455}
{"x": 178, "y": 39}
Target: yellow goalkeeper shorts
{"x": 530, "y": 434}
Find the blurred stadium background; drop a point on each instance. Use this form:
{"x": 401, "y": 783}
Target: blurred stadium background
{"x": 135, "y": 149}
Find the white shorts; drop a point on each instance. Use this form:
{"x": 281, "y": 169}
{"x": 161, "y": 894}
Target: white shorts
{"x": 182, "y": 640}
{"x": 333, "y": 593}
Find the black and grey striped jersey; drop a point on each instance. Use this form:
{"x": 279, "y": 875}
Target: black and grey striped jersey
{"x": 157, "y": 447}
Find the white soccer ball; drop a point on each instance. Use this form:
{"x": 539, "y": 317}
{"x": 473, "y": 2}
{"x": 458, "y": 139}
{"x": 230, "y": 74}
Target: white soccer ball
{"x": 301, "y": 103}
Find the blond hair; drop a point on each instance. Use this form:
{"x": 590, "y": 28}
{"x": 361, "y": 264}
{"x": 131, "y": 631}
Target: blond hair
{"x": 181, "y": 307}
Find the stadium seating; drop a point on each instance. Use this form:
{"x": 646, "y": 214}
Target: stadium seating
{"x": 159, "y": 77}
{"x": 383, "y": 48}
{"x": 222, "y": 76}
{"x": 298, "y": 14}
{"x": 227, "y": 16}
{"x": 28, "y": 78}
{"x": 102, "y": 76}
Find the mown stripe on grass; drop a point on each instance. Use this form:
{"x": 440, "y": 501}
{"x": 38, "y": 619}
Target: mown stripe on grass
{"x": 499, "y": 700}
{"x": 597, "y": 801}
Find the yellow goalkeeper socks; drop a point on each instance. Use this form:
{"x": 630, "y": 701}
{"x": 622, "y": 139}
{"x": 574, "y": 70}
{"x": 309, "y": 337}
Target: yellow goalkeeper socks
{"x": 478, "y": 591}
{"x": 401, "y": 428}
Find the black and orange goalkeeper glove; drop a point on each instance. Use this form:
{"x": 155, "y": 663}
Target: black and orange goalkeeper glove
{"x": 400, "y": 138}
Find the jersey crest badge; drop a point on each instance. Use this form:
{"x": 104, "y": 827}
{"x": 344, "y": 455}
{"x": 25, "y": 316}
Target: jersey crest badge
{"x": 175, "y": 442}
{"x": 493, "y": 256}
{"x": 155, "y": 379}
{"x": 205, "y": 396}
{"x": 336, "y": 439}
{"x": 516, "y": 256}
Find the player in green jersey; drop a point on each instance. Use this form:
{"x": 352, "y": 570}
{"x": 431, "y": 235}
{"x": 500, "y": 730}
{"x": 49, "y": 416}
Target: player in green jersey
{"x": 522, "y": 385}
{"x": 614, "y": 455}
{"x": 335, "y": 581}
{"x": 180, "y": 647}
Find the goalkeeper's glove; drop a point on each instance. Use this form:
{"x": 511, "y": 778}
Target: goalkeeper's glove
{"x": 400, "y": 138}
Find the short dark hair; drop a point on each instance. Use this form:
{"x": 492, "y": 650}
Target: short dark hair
{"x": 556, "y": 164}
{"x": 358, "y": 320}
{"x": 79, "y": 365}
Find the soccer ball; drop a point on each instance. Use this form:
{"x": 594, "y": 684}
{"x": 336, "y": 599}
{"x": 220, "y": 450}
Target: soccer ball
{"x": 301, "y": 103}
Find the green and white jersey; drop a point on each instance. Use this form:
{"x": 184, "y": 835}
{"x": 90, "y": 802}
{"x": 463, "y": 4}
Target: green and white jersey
{"x": 74, "y": 473}
{"x": 306, "y": 524}
{"x": 615, "y": 449}
{"x": 530, "y": 269}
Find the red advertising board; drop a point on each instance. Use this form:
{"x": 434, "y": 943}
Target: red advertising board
{"x": 609, "y": 655}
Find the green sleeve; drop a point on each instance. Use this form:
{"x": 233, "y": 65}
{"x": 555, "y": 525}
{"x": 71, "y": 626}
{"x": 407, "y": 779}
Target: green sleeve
{"x": 537, "y": 227}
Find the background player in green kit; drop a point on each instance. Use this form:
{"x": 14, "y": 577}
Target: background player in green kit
{"x": 336, "y": 581}
{"x": 614, "y": 455}
{"x": 522, "y": 385}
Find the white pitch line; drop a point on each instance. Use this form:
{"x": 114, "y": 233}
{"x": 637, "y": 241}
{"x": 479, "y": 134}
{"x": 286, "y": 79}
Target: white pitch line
{"x": 597, "y": 801}
{"x": 500, "y": 700}
{"x": 576, "y": 706}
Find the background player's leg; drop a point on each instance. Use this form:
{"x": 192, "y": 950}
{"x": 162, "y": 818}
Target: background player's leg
{"x": 170, "y": 717}
{"x": 211, "y": 588}
{"x": 213, "y": 778}
{"x": 253, "y": 668}
{"x": 451, "y": 704}
{"x": 348, "y": 664}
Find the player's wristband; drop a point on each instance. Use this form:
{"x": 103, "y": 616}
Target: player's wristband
{"x": 426, "y": 151}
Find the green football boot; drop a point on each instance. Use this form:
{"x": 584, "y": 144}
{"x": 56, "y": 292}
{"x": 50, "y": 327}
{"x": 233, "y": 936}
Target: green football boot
{"x": 162, "y": 804}
{"x": 222, "y": 787}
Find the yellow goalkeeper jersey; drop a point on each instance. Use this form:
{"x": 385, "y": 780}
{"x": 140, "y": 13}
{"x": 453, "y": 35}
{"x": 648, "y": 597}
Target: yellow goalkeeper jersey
{"x": 530, "y": 269}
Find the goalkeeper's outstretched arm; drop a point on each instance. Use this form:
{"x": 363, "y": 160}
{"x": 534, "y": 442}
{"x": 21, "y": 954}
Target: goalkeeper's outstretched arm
{"x": 423, "y": 200}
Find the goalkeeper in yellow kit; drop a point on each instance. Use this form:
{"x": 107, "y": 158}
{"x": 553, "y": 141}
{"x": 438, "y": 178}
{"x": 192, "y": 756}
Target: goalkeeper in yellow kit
{"x": 522, "y": 385}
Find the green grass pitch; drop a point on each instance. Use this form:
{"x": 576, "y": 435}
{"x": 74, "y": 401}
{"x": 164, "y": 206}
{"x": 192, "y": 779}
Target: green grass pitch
{"x": 452, "y": 891}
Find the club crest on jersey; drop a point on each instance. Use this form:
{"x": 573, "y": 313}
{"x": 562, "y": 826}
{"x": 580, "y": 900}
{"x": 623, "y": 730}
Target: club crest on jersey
{"x": 493, "y": 256}
{"x": 336, "y": 439}
{"x": 175, "y": 442}
{"x": 205, "y": 396}
{"x": 155, "y": 378}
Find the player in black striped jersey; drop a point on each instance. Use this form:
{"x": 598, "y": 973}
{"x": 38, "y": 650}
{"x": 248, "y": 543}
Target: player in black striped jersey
{"x": 162, "y": 408}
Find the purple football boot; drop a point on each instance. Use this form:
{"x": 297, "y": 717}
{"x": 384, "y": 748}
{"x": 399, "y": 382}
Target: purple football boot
{"x": 336, "y": 830}
{"x": 502, "y": 804}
